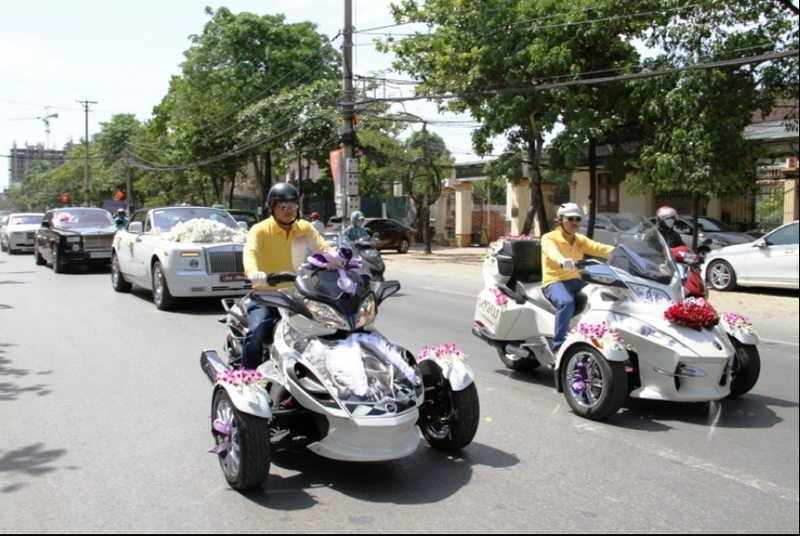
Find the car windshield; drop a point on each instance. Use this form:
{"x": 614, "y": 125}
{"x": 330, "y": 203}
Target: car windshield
{"x": 165, "y": 219}
{"x": 712, "y": 225}
{"x": 82, "y": 219}
{"x": 26, "y": 219}
{"x": 642, "y": 252}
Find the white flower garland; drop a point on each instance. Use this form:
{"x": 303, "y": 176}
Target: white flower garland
{"x": 202, "y": 230}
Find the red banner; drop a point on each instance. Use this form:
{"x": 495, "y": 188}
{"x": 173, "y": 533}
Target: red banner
{"x": 336, "y": 168}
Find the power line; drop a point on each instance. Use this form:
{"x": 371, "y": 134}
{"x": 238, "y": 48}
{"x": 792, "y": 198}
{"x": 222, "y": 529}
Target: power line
{"x": 593, "y": 81}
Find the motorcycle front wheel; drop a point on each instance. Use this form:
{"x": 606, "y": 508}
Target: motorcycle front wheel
{"x": 745, "y": 370}
{"x": 246, "y": 465}
{"x": 456, "y": 418}
{"x": 594, "y": 387}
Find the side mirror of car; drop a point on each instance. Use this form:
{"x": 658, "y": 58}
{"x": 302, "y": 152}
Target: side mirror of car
{"x": 760, "y": 243}
{"x": 242, "y": 225}
{"x": 135, "y": 227}
{"x": 46, "y": 224}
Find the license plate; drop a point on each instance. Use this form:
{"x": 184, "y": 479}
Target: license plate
{"x": 231, "y": 278}
{"x": 100, "y": 255}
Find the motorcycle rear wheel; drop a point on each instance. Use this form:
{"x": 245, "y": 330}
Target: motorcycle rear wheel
{"x": 745, "y": 370}
{"x": 462, "y": 427}
{"x": 518, "y": 365}
{"x": 594, "y": 387}
{"x": 247, "y": 464}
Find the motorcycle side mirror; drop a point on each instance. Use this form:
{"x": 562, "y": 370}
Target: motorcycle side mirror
{"x": 385, "y": 289}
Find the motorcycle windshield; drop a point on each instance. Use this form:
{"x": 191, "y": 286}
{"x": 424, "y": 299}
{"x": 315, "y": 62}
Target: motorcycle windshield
{"x": 330, "y": 283}
{"x": 641, "y": 251}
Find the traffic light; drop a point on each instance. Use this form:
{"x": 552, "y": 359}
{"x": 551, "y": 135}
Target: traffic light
{"x": 64, "y": 198}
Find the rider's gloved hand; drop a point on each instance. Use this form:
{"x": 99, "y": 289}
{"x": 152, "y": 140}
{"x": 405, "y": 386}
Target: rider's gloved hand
{"x": 567, "y": 264}
{"x": 259, "y": 279}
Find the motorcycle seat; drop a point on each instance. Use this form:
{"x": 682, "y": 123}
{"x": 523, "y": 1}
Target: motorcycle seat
{"x": 536, "y": 297}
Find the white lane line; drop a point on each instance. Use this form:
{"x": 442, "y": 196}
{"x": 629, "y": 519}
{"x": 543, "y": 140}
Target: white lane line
{"x": 697, "y": 463}
{"x": 439, "y": 289}
{"x": 774, "y": 341}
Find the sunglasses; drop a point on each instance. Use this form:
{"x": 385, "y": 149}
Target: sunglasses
{"x": 573, "y": 218}
{"x": 288, "y": 206}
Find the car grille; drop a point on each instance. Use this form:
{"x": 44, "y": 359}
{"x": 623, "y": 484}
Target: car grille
{"x": 97, "y": 241}
{"x": 29, "y": 235}
{"x": 225, "y": 260}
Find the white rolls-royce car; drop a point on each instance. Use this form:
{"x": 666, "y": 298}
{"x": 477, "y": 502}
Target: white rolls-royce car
{"x": 17, "y": 234}
{"x": 180, "y": 252}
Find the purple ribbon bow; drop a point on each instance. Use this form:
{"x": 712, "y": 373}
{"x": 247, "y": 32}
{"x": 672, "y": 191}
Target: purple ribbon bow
{"x": 340, "y": 261}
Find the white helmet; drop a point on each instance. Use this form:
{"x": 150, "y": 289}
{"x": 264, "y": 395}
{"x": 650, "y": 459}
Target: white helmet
{"x": 666, "y": 212}
{"x": 569, "y": 209}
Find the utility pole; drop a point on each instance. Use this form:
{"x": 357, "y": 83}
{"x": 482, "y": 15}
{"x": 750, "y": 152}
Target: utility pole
{"x": 347, "y": 196}
{"x": 128, "y": 184}
{"x": 86, "y": 104}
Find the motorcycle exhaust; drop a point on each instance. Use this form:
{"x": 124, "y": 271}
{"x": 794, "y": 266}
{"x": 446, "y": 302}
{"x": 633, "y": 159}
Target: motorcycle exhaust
{"x": 513, "y": 351}
{"x": 211, "y": 364}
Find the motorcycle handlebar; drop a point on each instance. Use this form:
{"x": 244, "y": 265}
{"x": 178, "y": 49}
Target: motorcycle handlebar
{"x": 281, "y": 277}
{"x": 586, "y": 262}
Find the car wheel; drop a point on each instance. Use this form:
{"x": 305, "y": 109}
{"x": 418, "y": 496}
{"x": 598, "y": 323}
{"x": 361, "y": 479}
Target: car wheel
{"x": 721, "y": 276}
{"x": 246, "y": 464}
{"x": 117, "y": 279}
{"x": 161, "y": 296}
{"x": 402, "y": 247}
{"x": 38, "y": 256}
{"x": 594, "y": 387}
{"x": 58, "y": 265}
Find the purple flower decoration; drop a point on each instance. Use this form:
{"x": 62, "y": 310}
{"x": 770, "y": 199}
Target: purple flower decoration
{"x": 222, "y": 449}
{"x": 341, "y": 260}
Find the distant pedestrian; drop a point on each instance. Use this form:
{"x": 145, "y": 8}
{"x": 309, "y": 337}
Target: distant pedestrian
{"x": 315, "y": 221}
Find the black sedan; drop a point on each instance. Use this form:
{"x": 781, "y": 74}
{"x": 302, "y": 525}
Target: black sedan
{"x": 74, "y": 236}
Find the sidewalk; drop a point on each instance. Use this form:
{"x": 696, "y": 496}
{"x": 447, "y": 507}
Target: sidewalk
{"x": 465, "y": 264}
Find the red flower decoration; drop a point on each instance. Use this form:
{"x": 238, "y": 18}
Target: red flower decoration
{"x": 697, "y": 314}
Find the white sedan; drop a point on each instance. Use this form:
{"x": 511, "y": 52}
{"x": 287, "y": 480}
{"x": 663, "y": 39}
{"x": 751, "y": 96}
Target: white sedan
{"x": 180, "y": 252}
{"x": 770, "y": 261}
{"x": 17, "y": 234}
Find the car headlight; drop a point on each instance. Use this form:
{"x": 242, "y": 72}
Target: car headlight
{"x": 367, "y": 311}
{"x": 73, "y": 239}
{"x": 720, "y": 242}
{"x": 650, "y": 294}
{"x": 325, "y": 315}
{"x": 632, "y": 325}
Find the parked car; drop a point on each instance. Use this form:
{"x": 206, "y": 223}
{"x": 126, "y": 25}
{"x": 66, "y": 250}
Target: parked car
{"x": 17, "y": 232}
{"x": 180, "y": 252}
{"x": 247, "y": 216}
{"x": 334, "y": 225}
{"x": 720, "y": 233}
{"x": 75, "y": 235}
{"x": 770, "y": 261}
{"x": 609, "y": 225}
{"x": 391, "y": 234}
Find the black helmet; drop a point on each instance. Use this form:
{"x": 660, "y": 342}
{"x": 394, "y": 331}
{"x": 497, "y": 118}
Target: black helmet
{"x": 283, "y": 191}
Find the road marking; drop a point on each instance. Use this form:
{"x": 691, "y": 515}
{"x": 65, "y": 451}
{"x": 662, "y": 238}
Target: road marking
{"x": 696, "y": 463}
{"x": 774, "y": 341}
{"x": 439, "y": 289}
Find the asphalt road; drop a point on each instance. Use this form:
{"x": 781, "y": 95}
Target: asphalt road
{"x": 105, "y": 419}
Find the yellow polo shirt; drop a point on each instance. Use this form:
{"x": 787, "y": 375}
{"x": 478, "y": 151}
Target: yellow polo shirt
{"x": 270, "y": 249}
{"x": 555, "y": 247}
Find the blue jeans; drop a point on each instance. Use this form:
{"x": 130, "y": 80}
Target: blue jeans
{"x": 261, "y": 325}
{"x": 562, "y": 295}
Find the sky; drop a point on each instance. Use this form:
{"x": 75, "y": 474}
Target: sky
{"x": 122, "y": 54}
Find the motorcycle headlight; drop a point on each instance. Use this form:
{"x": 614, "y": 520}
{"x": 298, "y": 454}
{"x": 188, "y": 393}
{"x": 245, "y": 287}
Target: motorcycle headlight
{"x": 367, "y": 311}
{"x": 370, "y": 253}
{"x": 649, "y": 332}
{"x": 326, "y": 315}
{"x": 650, "y": 294}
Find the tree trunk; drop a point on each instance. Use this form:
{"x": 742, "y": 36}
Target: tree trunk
{"x": 592, "y": 186}
{"x": 263, "y": 176}
{"x": 537, "y": 199}
{"x": 230, "y": 196}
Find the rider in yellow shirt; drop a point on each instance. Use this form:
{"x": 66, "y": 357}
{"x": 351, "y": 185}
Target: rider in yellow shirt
{"x": 278, "y": 244}
{"x": 560, "y": 279}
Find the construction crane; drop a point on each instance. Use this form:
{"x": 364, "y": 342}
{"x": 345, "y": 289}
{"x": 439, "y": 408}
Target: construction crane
{"x": 46, "y": 120}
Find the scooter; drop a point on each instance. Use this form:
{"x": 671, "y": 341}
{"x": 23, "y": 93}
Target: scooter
{"x": 365, "y": 248}
{"x": 331, "y": 382}
{"x": 687, "y": 262}
{"x": 632, "y": 333}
